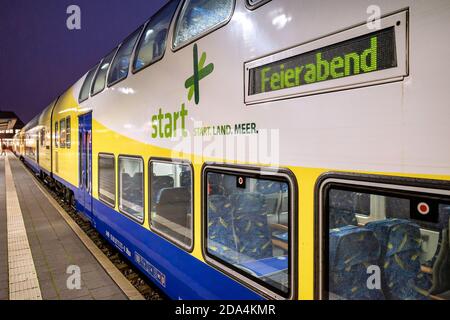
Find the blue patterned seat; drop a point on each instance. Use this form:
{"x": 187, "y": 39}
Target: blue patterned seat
{"x": 352, "y": 251}
{"x": 342, "y": 205}
{"x": 400, "y": 257}
{"x": 444, "y": 213}
{"x": 341, "y": 218}
{"x": 158, "y": 184}
{"x": 221, "y": 237}
{"x": 440, "y": 263}
{"x": 272, "y": 191}
{"x": 251, "y": 226}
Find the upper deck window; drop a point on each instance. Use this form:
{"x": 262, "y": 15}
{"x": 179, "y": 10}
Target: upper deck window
{"x": 152, "y": 45}
{"x": 85, "y": 89}
{"x": 253, "y": 4}
{"x": 199, "y": 17}
{"x": 119, "y": 68}
{"x": 100, "y": 78}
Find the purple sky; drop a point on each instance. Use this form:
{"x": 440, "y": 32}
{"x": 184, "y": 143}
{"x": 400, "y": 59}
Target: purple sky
{"x": 40, "y": 57}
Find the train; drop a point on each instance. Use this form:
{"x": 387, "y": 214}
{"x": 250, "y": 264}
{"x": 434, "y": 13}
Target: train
{"x": 257, "y": 149}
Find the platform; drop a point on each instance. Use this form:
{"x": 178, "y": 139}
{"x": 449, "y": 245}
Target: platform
{"x": 37, "y": 246}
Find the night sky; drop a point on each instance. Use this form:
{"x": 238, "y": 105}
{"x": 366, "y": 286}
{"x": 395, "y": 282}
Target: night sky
{"x": 40, "y": 57}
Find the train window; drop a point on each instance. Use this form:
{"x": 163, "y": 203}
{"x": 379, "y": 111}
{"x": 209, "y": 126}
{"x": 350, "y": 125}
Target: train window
{"x": 171, "y": 200}
{"x": 121, "y": 63}
{"x": 383, "y": 242}
{"x": 85, "y": 89}
{"x": 152, "y": 45}
{"x": 62, "y": 133}
{"x": 107, "y": 179}
{"x": 131, "y": 187}
{"x": 100, "y": 78}
{"x": 199, "y": 17}
{"x": 253, "y": 4}
{"x": 42, "y": 137}
{"x": 56, "y": 135}
{"x": 248, "y": 227}
{"x": 68, "y": 133}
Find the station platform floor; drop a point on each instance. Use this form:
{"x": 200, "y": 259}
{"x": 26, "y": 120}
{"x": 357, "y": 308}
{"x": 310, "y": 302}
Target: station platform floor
{"x": 41, "y": 252}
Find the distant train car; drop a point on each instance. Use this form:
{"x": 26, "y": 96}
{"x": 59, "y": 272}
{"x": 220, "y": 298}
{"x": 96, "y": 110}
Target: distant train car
{"x": 16, "y": 144}
{"x": 31, "y": 144}
{"x": 36, "y": 140}
{"x": 266, "y": 149}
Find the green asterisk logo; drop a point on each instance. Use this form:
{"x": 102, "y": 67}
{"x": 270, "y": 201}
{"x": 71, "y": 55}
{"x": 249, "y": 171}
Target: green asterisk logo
{"x": 200, "y": 72}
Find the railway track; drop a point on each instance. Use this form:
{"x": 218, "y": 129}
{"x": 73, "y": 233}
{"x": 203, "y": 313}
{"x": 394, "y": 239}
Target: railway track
{"x": 136, "y": 278}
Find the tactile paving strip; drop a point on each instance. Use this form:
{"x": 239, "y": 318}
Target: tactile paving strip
{"x": 23, "y": 281}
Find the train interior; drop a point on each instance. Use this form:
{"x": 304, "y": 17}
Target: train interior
{"x": 131, "y": 187}
{"x": 171, "y": 201}
{"x": 248, "y": 226}
{"x": 405, "y": 238}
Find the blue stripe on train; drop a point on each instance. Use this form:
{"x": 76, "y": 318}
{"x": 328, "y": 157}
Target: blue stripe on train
{"x": 31, "y": 163}
{"x": 174, "y": 271}
{"x": 177, "y": 273}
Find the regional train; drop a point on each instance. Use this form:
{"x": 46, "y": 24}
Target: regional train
{"x": 248, "y": 149}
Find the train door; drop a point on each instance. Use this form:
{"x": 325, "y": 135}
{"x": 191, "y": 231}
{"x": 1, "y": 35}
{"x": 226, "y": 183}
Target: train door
{"x": 85, "y": 164}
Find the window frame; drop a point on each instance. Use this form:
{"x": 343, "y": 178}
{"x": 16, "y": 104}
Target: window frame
{"x": 56, "y": 134}
{"x": 128, "y": 215}
{"x": 61, "y": 144}
{"x": 263, "y": 173}
{"x": 180, "y": 12}
{"x": 93, "y": 94}
{"x": 68, "y": 129}
{"x": 392, "y": 186}
{"x": 158, "y": 232}
{"x": 255, "y": 5}
{"x": 133, "y": 51}
{"x": 110, "y": 155}
{"x": 138, "y": 43}
{"x": 94, "y": 70}
{"x": 42, "y": 133}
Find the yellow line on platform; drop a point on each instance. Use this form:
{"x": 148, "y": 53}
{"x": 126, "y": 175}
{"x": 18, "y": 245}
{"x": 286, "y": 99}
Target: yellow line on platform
{"x": 23, "y": 281}
{"x": 127, "y": 288}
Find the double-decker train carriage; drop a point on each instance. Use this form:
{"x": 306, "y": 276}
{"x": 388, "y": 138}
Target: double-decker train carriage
{"x": 278, "y": 149}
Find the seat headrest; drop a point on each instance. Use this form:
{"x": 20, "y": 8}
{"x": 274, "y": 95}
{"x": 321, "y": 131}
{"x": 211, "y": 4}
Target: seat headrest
{"x": 341, "y": 218}
{"x": 125, "y": 176}
{"x": 172, "y": 195}
{"x": 396, "y": 235}
{"x": 351, "y": 245}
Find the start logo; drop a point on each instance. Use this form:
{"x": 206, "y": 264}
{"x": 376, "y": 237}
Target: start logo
{"x": 200, "y": 72}
{"x": 166, "y": 125}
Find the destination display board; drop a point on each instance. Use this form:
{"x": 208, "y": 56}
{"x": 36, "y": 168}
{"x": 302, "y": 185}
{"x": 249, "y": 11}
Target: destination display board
{"x": 364, "y": 54}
